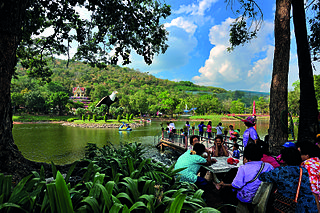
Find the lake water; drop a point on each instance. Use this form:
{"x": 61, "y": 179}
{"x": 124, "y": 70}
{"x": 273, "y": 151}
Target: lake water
{"x": 64, "y": 144}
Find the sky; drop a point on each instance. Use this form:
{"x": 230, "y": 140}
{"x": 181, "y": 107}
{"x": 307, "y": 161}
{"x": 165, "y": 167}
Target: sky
{"x": 198, "y": 40}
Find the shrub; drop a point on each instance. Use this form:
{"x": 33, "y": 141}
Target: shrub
{"x": 89, "y": 117}
{"x": 119, "y": 118}
{"x": 71, "y": 119}
{"x": 94, "y": 118}
{"x": 105, "y": 118}
{"x": 83, "y": 117}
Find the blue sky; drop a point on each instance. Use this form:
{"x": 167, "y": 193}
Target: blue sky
{"x": 198, "y": 41}
{"x": 198, "y": 38}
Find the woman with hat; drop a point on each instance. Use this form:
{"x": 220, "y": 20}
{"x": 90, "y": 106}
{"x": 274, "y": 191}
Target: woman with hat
{"x": 250, "y": 135}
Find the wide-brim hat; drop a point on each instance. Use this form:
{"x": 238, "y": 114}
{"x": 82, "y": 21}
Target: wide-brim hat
{"x": 250, "y": 119}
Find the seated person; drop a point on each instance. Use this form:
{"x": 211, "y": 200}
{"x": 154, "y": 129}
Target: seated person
{"x": 266, "y": 156}
{"x": 192, "y": 163}
{"x": 193, "y": 140}
{"x": 244, "y": 181}
{"x": 219, "y": 148}
{"x": 236, "y": 152}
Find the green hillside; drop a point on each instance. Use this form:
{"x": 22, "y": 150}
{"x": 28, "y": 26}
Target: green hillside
{"x": 137, "y": 91}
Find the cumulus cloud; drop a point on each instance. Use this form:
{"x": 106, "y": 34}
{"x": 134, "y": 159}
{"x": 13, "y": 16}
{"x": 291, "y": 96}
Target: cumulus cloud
{"x": 247, "y": 67}
{"x": 181, "y": 43}
{"x": 194, "y": 9}
{"x": 180, "y": 22}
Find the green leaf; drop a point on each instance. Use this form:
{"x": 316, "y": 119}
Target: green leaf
{"x": 207, "y": 210}
{"x": 177, "y": 203}
{"x": 70, "y": 171}
{"x": 124, "y": 195}
{"x": 64, "y": 198}
{"x": 93, "y": 203}
{"x": 116, "y": 208}
{"x": 137, "y": 205}
{"x": 11, "y": 205}
{"x": 54, "y": 170}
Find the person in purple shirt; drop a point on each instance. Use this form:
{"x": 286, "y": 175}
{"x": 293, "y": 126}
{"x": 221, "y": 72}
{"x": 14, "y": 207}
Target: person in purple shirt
{"x": 201, "y": 126}
{"x": 250, "y": 132}
{"x": 245, "y": 189}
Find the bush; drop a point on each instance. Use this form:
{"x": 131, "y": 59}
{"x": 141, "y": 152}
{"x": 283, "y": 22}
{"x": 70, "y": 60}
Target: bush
{"x": 115, "y": 180}
{"x": 94, "y": 118}
{"x": 83, "y": 117}
{"x": 119, "y": 118}
{"x": 89, "y": 117}
{"x": 131, "y": 117}
{"x": 71, "y": 119}
{"x": 105, "y": 118}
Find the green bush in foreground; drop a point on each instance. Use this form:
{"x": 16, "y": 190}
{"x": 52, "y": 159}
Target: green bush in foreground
{"x": 115, "y": 180}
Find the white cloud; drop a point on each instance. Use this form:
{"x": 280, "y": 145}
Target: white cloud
{"x": 194, "y": 9}
{"x": 183, "y": 24}
{"x": 180, "y": 42}
{"x": 247, "y": 67}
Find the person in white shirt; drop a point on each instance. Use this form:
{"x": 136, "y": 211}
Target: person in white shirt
{"x": 219, "y": 129}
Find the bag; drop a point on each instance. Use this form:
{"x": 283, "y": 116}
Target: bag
{"x": 248, "y": 195}
{"x": 284, "y": 204}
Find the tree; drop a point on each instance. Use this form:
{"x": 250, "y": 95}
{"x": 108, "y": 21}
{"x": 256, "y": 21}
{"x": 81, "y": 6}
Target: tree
{"x": 294, "y": 99}
{"x": 237, "y": 107}
{"x": 35, "y": 102}
{"x": 308, "y": 121}
{"x": 121, "y": 26}
{"x": 279, "y": 85}
{"x": 59, "y": 99}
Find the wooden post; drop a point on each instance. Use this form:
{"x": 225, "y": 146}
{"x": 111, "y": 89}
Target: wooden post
{"x": 162, "y": 134}
{"x": 186, "y": 141}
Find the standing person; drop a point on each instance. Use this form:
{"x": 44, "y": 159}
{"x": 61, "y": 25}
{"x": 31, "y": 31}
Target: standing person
{"x": 219, "y": 129}
{"x": 188, "y": 126}
{"x": 287, "y": 178}
{"x": 250, "y": 132}
{"x": 312, "y": 163}
{"x": 232, "y": 133}
{"x": 201, "y": 126}
{"x": 172, "y": 127}
{"x": 209, "y": 129}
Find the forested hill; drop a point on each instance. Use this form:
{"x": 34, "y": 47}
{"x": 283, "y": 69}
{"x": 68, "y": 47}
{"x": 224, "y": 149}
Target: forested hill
{"x": 124, "y": 80}
{"x": 137, "y": 91}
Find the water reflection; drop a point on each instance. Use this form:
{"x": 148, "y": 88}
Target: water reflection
{"x": 63, "y": 144}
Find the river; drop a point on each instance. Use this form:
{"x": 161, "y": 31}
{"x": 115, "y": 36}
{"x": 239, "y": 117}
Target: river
{"x": 48, "y": 142}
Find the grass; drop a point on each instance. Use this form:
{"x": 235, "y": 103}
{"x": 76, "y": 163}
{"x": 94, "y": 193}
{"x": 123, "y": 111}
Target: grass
{"x": 35, "y": 118}
{"x": 44, "y": 118}
{"x": 207, "y": 117}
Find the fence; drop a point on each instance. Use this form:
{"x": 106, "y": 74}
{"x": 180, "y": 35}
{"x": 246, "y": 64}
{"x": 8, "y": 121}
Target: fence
{"x": 178, "y": 137}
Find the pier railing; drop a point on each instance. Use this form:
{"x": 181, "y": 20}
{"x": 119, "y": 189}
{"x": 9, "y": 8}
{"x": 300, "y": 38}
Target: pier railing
{"x": 178, "y": 138}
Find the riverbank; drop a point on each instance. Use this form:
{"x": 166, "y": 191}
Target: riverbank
{"x": 99, "y": 125}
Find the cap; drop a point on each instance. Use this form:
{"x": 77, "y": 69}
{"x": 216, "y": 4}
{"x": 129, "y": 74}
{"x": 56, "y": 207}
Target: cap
{"x": 289, "y": 145}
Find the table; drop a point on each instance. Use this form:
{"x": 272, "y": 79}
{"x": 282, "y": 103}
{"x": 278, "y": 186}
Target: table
{"x": 222, "y": 166}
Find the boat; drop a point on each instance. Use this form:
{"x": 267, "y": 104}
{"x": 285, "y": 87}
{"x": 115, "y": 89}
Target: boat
{"x": 125, "y": 127}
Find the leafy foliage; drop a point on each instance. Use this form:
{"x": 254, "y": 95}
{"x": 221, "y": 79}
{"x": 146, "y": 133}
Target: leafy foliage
{"x": 115, "y": 180}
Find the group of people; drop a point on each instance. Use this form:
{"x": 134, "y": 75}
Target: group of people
{"x": 241, "y": 184}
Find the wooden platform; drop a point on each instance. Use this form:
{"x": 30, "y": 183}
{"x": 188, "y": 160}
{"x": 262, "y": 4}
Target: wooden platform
{"x": 176, "y": 146}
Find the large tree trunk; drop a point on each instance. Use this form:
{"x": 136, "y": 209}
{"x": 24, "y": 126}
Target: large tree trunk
{"x": 308, "y": 121}
{"x": 12, "y": 161}
{"x": 279, "y": 86}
